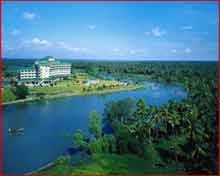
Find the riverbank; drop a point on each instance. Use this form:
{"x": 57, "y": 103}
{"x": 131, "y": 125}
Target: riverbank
{"x": 105, "y": 164}
{"x": 61, "y": 95}
{"x": 43, "y": 115}
{"x": 42, "y": 169}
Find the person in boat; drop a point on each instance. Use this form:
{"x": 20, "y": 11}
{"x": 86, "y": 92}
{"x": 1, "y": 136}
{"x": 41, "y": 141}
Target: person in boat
{"x": 19, "y": 130}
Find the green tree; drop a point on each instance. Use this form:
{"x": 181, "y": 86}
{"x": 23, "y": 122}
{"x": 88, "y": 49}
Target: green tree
{"x": 94, "y": 124}
{"x": 140, "y": 112}
{"x": 63, "y": 160}
{"x": 7, "y": 95}
{"x": 121, "y": 110}
{"x": 111, "y": 142}
{"x": 96, "y": 146}
{"x": 21, "y": 91}
{"x": 78, "y": 140}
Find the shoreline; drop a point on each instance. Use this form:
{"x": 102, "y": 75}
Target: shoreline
{"x": 62, "y": 95}
{"x": 45, "y": 167}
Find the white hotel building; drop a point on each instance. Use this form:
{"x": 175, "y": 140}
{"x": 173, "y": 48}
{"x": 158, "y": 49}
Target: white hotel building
{"x": 44, "y": 72}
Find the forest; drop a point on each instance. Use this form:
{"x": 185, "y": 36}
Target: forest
{"x": 182, "y": 135}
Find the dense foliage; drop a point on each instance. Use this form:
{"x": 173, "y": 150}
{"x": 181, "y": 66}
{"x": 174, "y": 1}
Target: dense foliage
{"x": 109, "y": 163}
{"x": 181, "y": 132}
{"x": 8, "y": 95}
{"x": 99, "y": 142}
{"x": 175, "y": 131}
{"x": 10, "y": 67}
{"x": 14, "y": 93}
{"x": 21, "y": 91}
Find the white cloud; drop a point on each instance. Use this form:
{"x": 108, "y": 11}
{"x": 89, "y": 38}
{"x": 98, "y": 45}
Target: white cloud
{"x": 35, "y": 40}
{"x": 63, "y": 45}
{"x": 173, "y": 50}
{"x": 187, "y": 50}
{"x": 29, "y": 15}
{"x": 137, "y": 51}
{"x": 76, "y": 49}
{"x": 69, "y": 48}
{"x": 84, "y": 49}
{"x": 92, "y": 27}
{"x": 147, "y": 33}
{"x": 157, "y": 32}
{"x": 132, "y": 52}
{"x": 116, "y": 50}
{"x": 186, "y": 28}
{"x": 5, "y": 46}
{"x": 9, "y": 48}
{"x": 38, "y": 41}
{"x": 44, "y": 42}
{"x": 15, "y": 32}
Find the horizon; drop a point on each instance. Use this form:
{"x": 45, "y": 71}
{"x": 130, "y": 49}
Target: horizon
{"x": 118, "y": 31}
{"x": 116, "y": 60}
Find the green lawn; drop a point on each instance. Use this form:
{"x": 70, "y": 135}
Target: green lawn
{"x": 7, "y": 95}
{"x": 77, "y": 85}
{"x": 113, "y": 164}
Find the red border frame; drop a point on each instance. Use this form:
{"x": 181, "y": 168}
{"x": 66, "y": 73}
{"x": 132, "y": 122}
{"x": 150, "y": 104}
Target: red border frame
{"x": 203, "y": 1}
{"x": 1, "y": 88}
{"x": 218, "y": 88}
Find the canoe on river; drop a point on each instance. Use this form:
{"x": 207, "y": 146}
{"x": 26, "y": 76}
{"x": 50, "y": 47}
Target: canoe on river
{"x": 16, "y": 131}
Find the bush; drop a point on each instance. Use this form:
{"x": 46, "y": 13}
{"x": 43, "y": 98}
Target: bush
{"x": 40, "y": 95}
{"x": 8, "y": 95}
{"x": 95, "y": 124}
{"x": 100, "y": 88}
{"x": 151, "y": 154}
{"x": 63, "y": 160}
{"x": 21, "y": 91}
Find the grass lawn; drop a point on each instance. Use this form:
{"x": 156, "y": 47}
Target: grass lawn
{"x": 113, "y": 164}
{"x": 77, "y": 85}
{"x": 8, "y": 95}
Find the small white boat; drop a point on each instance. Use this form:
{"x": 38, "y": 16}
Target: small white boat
{"x": 16, "y": 131}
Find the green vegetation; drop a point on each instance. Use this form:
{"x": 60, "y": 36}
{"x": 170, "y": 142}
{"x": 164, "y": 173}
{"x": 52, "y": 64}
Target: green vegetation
{"x": 95, "y": 124}
{"x": 175, "y": 137}
{"x": 78, "y": 84}
{"x": 178, "y": 134}
{"x": 21, "y": 91}
{"x": 14, "y": 93}
{"x": 11, "y": 66}
{"x": 8, "y": 95}
{"x": 113, "y": 164}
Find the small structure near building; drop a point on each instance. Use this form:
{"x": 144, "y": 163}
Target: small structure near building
{"x": 91, "y": 82}
{"x": 44, "y": 72}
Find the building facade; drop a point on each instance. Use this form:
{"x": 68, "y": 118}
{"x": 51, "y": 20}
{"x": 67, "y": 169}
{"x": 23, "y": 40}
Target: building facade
{"x": 45, "y": 71}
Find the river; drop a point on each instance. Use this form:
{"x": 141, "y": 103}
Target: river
{"x": 49, "y": 124}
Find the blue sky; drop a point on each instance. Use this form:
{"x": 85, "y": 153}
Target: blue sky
{"x": 111, "y": 30}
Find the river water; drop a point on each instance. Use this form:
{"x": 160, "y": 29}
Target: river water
{"x": 49, "y": 124}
